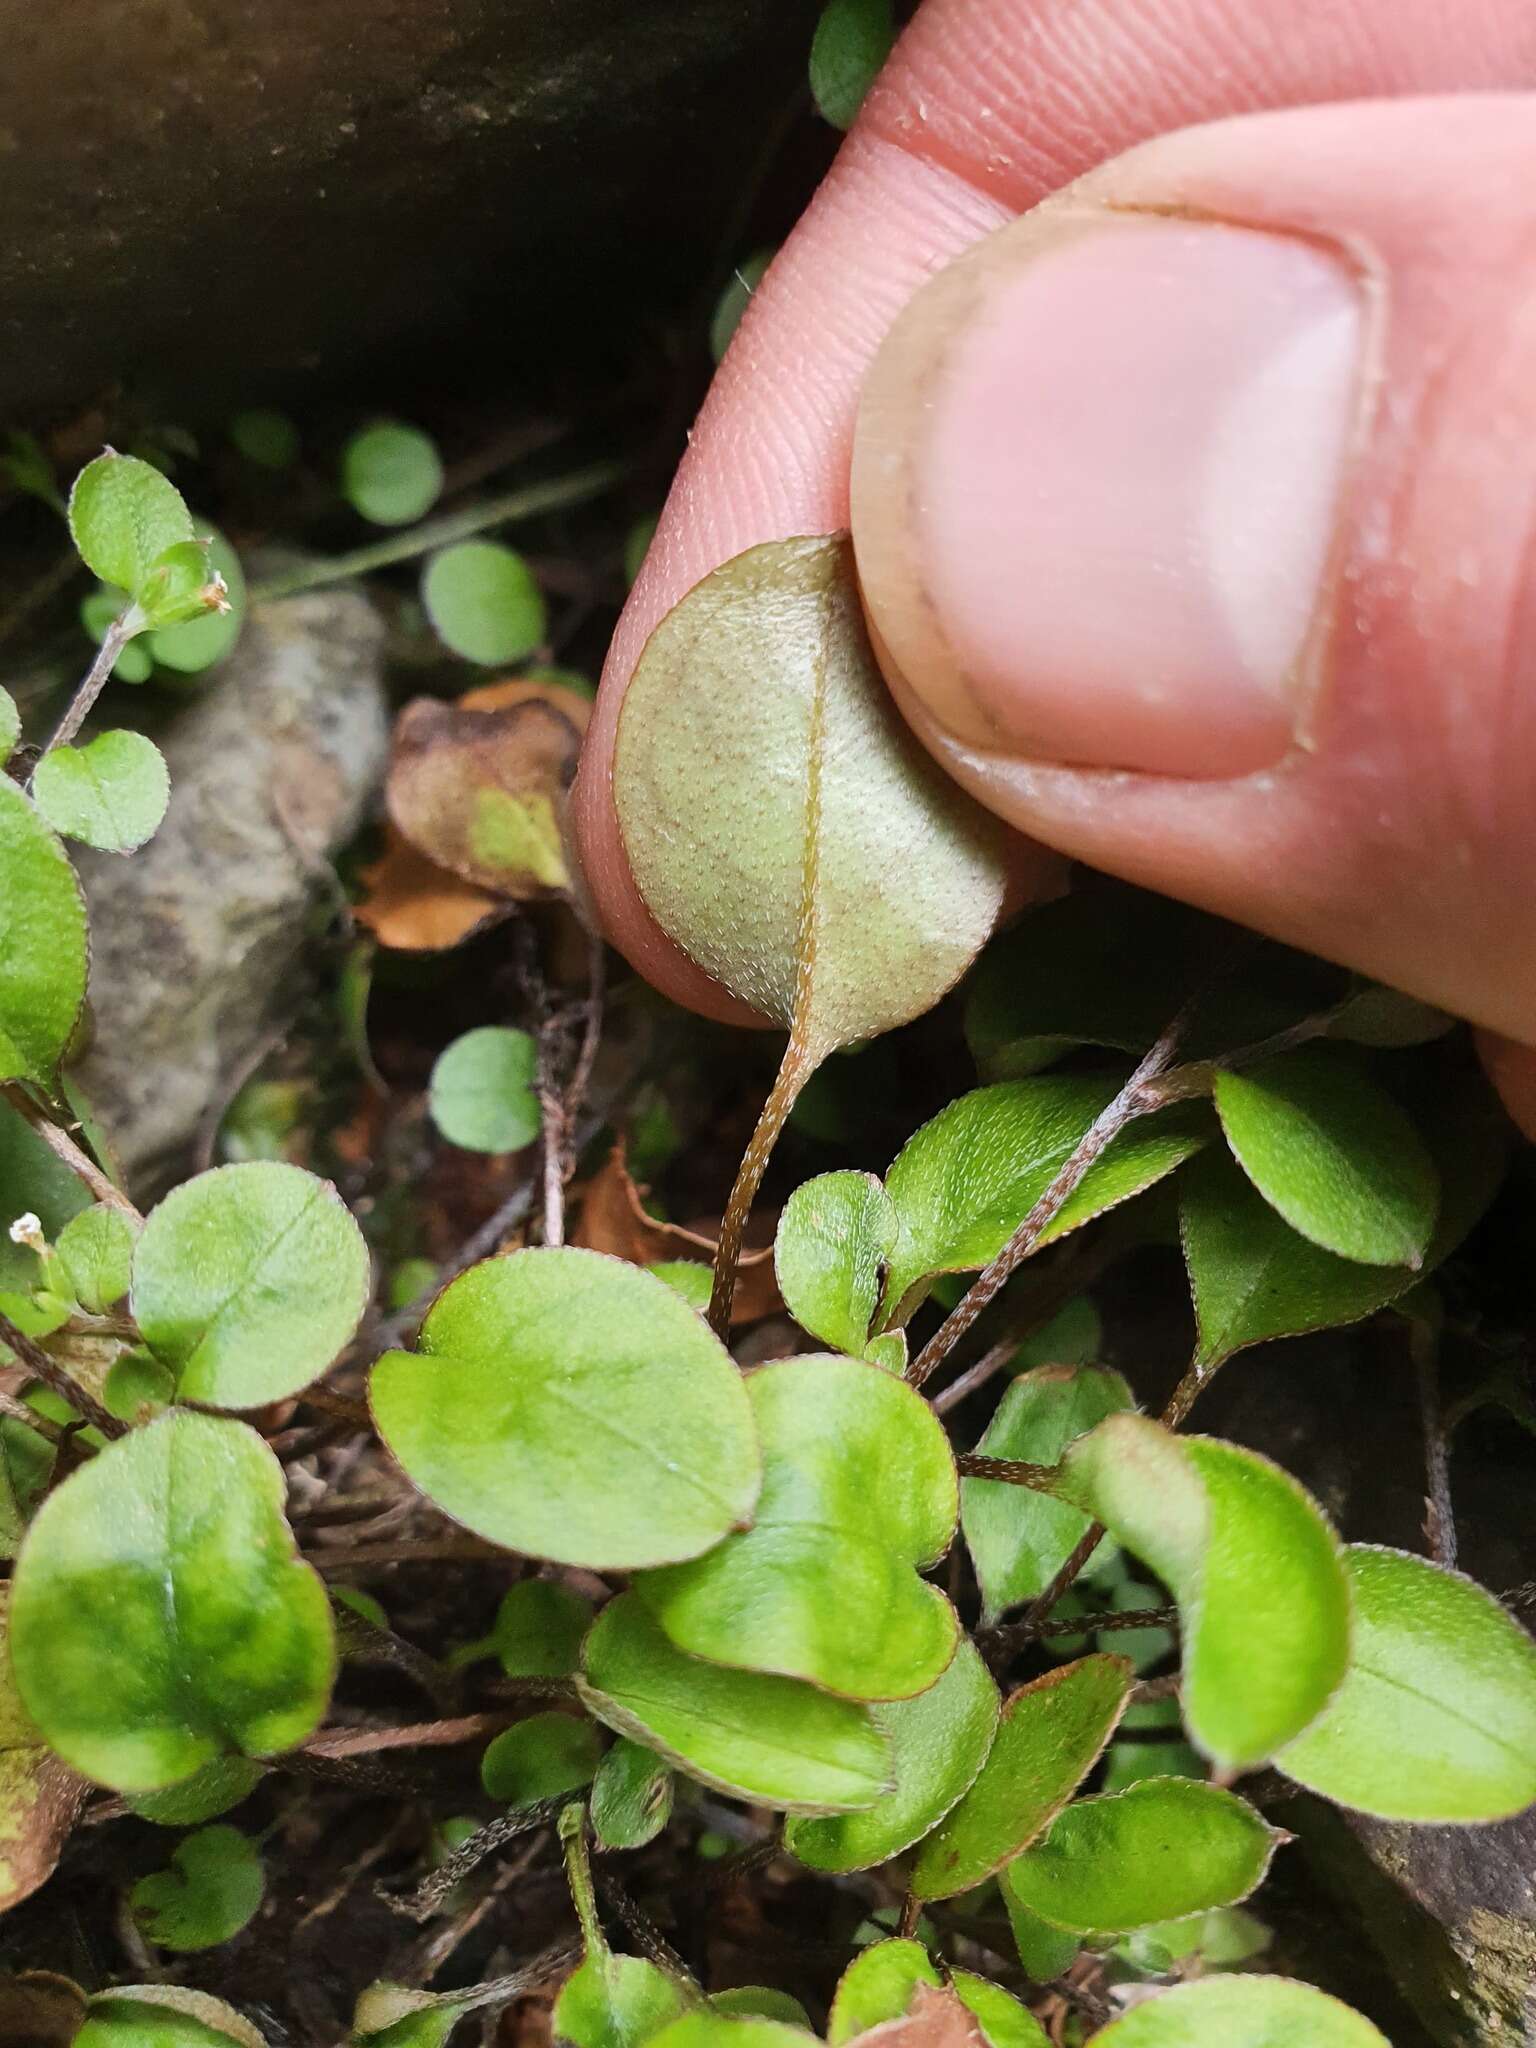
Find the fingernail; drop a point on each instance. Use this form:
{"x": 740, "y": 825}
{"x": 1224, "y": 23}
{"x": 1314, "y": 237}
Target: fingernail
{"x": 1126, "y": 489}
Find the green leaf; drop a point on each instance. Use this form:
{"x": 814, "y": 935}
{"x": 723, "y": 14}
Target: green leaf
{"x": 34, "y": 1179}
{"x": 835, "y": 1234}
{"x": 482, "y": 1093}
{"x": 538, "y": 1629}
{"x": 1165, "y": 1848}
{"x": 181, "y": 586}
{"x": 1003, "y": 2020}
{"x": 939, "y": 1742}
{"x": 1045, "y": 1952}
{"x": 159, "y": 1616}
{"x": 780, "y": 823}
{"x": 690, "y": 1278}
{"x": 569, "y": 1406}
{"x": 248, "y": 1281}
{"x": 965, "y": 1182}
{"x": 539, "y": 1758}
{"x": 484, "y": 602}
{"x": 1219, "y": 1940}
{"x": 1073, "y": 1336}
{"x": 110, "y": 793}
{"x": 702, "y": 2028}
{"x": 100, "y": 610}
{"x": 1326, "y": 1146}
{"x": 761, "y": 2001}
{"x": 266, "y": 437}
{"x": 42, "y": 943}
{"x": 40, "y": 1796}
{"x": 1254, "y": 1278}
{"x": 859, "y": 1492}
{"x": 631, "y": 1796}
{"x": 615, "y": 2002}
{"x": 1253, "y": 1564}
{"x": 213, "y": 1888}
{"x": 1019, "y": 1539}
{"x": 1380, "y": 1016}
{"x": 96, "y": 1251}
{"x": 135, "y": 1382}
{"x": 853, "y": 39}
{"x": 1436, "y": 1718}
{"x": 1049, "y": 1736}
{"x": 26, "y": 1465}
{"x": 164, "y": 2016}
{"x": 207, "y": 637}
{"x": 10, "y": 726}
{"x": 215, "y": 1789}
{"x": 390, "y": 2015}
{"x": 123, "y": 515}
{"x": 878, "y": 1985}
{"x": 749, "y": 1735}
{"x": 391, "y": 473}
{"x": 1241, "y": 2012}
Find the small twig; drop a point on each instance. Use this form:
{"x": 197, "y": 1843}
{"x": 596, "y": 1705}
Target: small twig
{"x": 526, "y": 502}
{"x": 43, "y": 1367}
{"x": 1002, "y": 1643}
{"x": 63, "y": 1147}
{"x": 911, "y": 1914}
{"x": 506, "y": 1827}
{"x": 1008, "y": 1471}
{"x": 1122, "y": 1617}
{"x": 1439, "y": 1516}
{"x": 552, "y": 1120}
{"x": 1133, "y": 1100}
{"x": 114, "y": 640}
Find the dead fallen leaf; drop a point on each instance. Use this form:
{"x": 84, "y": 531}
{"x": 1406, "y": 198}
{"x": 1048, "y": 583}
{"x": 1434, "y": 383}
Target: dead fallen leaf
{"x": 38, "y": 2010}
{"x": 935, "y": 2019}
{"x": 480, "y": 789}
{"x": 418, "y": 908}
{"x": 613, "y": 1219}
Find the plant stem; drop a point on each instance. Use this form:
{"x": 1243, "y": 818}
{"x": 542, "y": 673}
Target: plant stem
{"x": 795, "y": 1070}
{"x": 578, "y": 1875}
{"x": 1136, "y": 1098}
{"x": 1008, "y": 1471}
{"x": 524, "y": 503}
{"x": 115, "y": 639}
{"x": 43, "y": 1367}
{"x": 1439, "y": 1516}
{"x": 63, "y": 1146}
{"x": 429, "y": 1895}
{"x": 419, "y": 1735}
{"x": 1197, "y": 1377}
{"x": 1003, "y": 1642}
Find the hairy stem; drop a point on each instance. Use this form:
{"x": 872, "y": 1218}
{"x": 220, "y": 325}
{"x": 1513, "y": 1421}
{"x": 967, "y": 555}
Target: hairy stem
{"x": 524, "y": 503}
{"x": 63, "y": 1146}
{"x": 46, "y": 1368}
{"x": 1008, "y": 1471}
{"x": 795, "y": 1071}
{"x": 1439, "y": 1516}
{"x": 116, "y": 638}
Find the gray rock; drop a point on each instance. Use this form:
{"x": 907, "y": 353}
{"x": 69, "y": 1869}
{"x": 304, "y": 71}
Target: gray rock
{"x": 197, "y": 192}
{"x": 196, "y": 939}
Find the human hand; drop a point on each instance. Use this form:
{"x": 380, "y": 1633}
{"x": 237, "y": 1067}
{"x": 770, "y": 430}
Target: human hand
{"x": 1195, "y": 512}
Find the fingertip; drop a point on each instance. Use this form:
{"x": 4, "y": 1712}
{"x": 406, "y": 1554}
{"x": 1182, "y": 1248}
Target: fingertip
{"x": 1512, "y": 1070}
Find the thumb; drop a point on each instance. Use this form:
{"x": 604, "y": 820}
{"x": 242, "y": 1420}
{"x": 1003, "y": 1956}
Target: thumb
{"x": 1197, "y": 523}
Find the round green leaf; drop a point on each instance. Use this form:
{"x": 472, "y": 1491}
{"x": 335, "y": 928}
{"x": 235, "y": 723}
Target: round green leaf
{"x": 391, "y": 473}
{"x": 213, "y": 1790}
{"x": 200, "y": 641}
{"x": 780, "y": 824}
{"x": 569, "y": 1406}
{"x": 123, "y": 515}
{"x": 615, "y": 2002}
{"x": 1163, "y": 1849}
{"x": 1241, "y": 2012}
{"x": 42, "y": 943}
{"x": 1436, "y": 1718}
{"x": 1049, "y": 1736}
{"x": 10, "y": 726}
{"x": 964, "y": 1183}
{"x": 484, "y": 602}
{"x": 761, "y": 2001}
{"x": 690, "y": 1278}
{"x": 1331, "y": 1150}
{"x": 96, "y": 1250}
{"x": 482, "y": 1094}
{"x": 538, "y": 1759}
{"x": 835, "y": 1234}
{"x": 878, "y": 1985}
{"x": 164, "y": 2016}
{"x": 859, "y": 1491}
{"x": 702, "y": 2028}
{"x": 939, "y": 1742}
{"x": 538, "y": 1629}
{"x": 746, "y": 1733}
{"x": 213, "y": 1888}
{"x": 1019, "y": 1539}
{"x": 266, "y": 437}
{"x": 247, "y": 1282}
{"x": 631, "y": 1796}
{"x": 181, "y": 586}
{"x": 1253, "y": 1563}
{"x": 853, "y": 39}
{"x": 1045, "y": 1952}
{"x": 110, "y": 794}
{"x": 159, "y": 1617}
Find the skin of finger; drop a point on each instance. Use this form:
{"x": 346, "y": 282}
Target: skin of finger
{"x": 1398, "y": 836}
{"x": 1512, "y": 1069}
{"x": 987, "y": 106}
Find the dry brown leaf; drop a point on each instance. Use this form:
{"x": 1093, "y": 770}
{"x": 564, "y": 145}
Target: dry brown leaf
{"x": 40, "y": 1797}
{"x": 480, "y": 789}
{"x": 935, "y": 2019}
{"x": 418, "y": 908}
{"x": 38, "y": 2010}
{"x": 613, "y": 1219}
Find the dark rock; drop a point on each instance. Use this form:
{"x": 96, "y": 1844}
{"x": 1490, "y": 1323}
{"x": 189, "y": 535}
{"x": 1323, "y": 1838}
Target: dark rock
{"x": 195, "y": 940}
{"x": 200, "y": 191}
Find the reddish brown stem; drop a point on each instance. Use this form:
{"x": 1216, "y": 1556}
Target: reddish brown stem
{"x": 795, "y": 1071}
